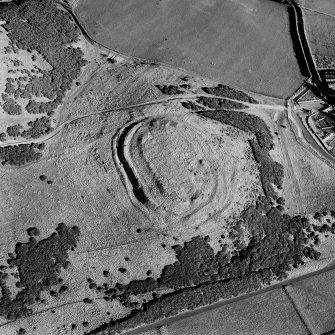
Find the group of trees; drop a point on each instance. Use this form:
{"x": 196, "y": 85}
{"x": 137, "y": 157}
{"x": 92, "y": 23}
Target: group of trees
{"x": 10, "y": 88}
{"x": 53, "y": 41}
{"x": 14, "y": 130}
{"x": 39, "y": 265}
{"x": 170, "y": 89}
{"x": 192, "y": 106}
{"x": 199, "y": 276}
{"x": 219, "y": 103}
{"x": 39, "y": 25}
{"x": 271, "y": 172}
{"x": 39, "y": 127}
{"x": 11, "y": 107}
{"x": 229, "y": 92}
{"x": 246, "y": 122}
{"x": 20, "y": 154}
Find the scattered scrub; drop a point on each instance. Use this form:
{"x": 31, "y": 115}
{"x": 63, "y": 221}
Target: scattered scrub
{"x": 170, "y": 89}
{"x": 33, "y": 231}
{"x": 323, "y": 61}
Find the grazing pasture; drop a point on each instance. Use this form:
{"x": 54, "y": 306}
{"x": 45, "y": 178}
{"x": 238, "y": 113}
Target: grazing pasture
{"x": 322, "y": 6}
{"x": 243, "y": 43}
{"x": 321, "y": 36}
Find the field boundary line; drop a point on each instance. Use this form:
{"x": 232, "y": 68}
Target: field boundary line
{"x": 318, "y": 12}
{"x": 296, "y": 309}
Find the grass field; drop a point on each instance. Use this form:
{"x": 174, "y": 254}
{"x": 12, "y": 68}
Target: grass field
{"x": 254, "y": 317}
{"x": 323, "y": 6}
{"x": 321, "y": 36}
{"x": 243, "y": 43}
{"x": 146, "y": 205}
{"x": 117, "y": 233}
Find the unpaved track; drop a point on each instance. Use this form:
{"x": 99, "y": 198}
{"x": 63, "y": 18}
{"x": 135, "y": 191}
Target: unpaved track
{"x": 60, "y": 127}
{"x": 280, "y": 117}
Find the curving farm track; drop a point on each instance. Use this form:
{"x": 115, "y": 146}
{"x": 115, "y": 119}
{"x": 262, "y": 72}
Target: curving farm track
{"x": 61, "y": 126}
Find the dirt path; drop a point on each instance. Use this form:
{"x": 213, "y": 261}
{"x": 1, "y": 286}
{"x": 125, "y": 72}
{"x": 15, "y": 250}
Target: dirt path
{"x": 282, "y": 118}
{"x": 60, "y": 127}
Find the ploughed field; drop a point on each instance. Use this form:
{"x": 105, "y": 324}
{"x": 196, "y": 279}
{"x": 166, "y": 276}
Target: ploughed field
{"x": 244, "y": 43}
